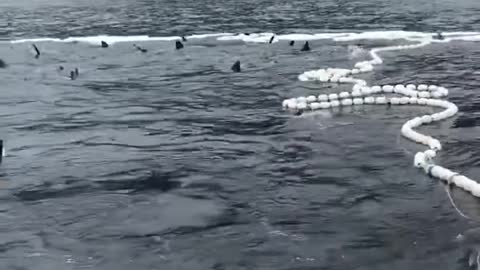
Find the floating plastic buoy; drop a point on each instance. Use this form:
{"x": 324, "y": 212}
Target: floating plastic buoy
{"x": 381, "y": 100}
{"x": 334, "y": 103}
{"x": 344, "y": 95}
{"x": 394, "y": 101}
{"x": 311, "y": 99}
{"x": 302, "y": 105}
{"x": 376, "y": 89}
{"x": 325, "y": 105}
{"x": 387, "y": 88}
{"x": 346, "y": 102}
{"x": 410, "y": 93}
{"x": 301, "y": 99}
{"x": 411, "y": 86}
{"x": 292, "y": 104}
{"x": 399, "y": 87}
{"x": 356, "y": 93}
{"x": 315, "y": 106}
{"x": 323, "y": 98}
{"x": 358, "y": 101}
{"x": 366, "y": 91}
{"x": 369, "y": 100}
{"x": 424, "y": 94}
{"x": 422, "y": 87}
{"x": 413, "y": 100}
{"x": 404, "y": 100}
{"x": 332, "y": 96}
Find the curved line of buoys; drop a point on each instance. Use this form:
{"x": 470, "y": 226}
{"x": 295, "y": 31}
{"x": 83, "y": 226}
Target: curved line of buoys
{"x": 423, "y": 95}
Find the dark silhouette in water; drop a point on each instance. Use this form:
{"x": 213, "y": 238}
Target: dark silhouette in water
{"x": 184, "y": 39}
{"x": 74, "y": 74}
{"x": 236, "y": 67}
{"x": 36, "y": 50}
{"x": 178, "y": 45}
{"x": 140, "y": 48}
{"x": 299, "y": 112}
{"x": 271, "y": 39}
{"x": 292, "y": 43}
{"x": 2, "y": 64}
{"x": 1, "y": 150}
{"x": 246, "y": 34}
{"x": 60, "y": 68}
{"x": 306, "y": 47}
{"x": 439, "y": 36}
{"x": 104, "y": 44}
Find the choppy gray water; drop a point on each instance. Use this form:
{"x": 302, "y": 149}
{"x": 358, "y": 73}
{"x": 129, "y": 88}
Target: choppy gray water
{"x": 168, "y": 160}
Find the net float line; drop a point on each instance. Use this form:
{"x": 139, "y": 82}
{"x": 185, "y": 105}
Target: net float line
{"x": 410, "y": 94}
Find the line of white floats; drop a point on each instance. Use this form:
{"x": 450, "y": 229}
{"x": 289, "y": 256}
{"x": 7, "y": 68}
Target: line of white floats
{"x": 427, "y": 95}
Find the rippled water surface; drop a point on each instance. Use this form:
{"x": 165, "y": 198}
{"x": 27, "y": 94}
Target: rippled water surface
{"x": 168, "y": 160}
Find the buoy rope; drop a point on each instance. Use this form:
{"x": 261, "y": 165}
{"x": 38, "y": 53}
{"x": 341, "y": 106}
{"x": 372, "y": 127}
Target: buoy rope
{"x": 452, "y": 202}
{"x": 425, "y": 95}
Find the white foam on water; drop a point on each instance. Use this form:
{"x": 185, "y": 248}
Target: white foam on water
{"x": 265, "y": 37}
{"x": 111, "y": 39}
{"x": 201, "y": 36}
{"x": 254, "y": 37}
{"x": 36, "y": 40}
{"x": 355, "y": 51}
{"x": 460, "y": 33}
{"x": 98, "y": 39}
{"x": 116, "y": 39}
{"x": 390, "y": 35}
{"x": 305, "y": 37}
{"x": 108, "y": 39}
{"x": 467, "y": 38}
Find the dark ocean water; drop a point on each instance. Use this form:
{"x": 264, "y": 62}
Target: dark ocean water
{"x": 168, "y": 160}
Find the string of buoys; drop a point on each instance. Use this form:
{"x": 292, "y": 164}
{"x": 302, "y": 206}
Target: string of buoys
{"x": 362, "y": 93}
